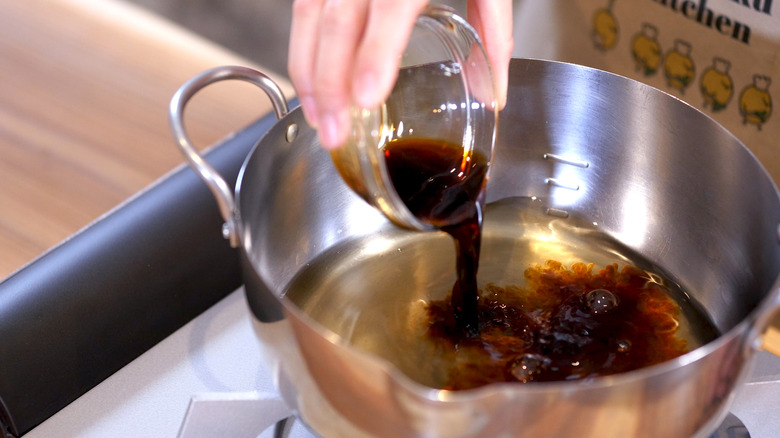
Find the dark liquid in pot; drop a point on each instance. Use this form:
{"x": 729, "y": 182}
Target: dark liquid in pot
{"x": 564, "y": 324}
{"x": 442, "y": 186}
{"x": 388, "y": 293}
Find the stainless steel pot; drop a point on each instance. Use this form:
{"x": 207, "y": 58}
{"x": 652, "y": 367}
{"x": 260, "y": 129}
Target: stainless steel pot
{"x": 658, "y": 176}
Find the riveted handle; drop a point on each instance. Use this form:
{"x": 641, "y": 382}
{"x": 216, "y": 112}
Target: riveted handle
{"x": 219, "y": 188}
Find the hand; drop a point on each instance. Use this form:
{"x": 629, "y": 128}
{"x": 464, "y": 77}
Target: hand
{"x": 345, "y": 52}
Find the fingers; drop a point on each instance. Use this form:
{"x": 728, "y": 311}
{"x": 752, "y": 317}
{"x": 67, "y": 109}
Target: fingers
{"x": 492, "y": 19}
{"x": 323, "y": 40}
{"x": 340, "y": 29}
{"x": 303, "y": 47}
{"x": 345, "y": 52}
{"x": 390, "y": 24}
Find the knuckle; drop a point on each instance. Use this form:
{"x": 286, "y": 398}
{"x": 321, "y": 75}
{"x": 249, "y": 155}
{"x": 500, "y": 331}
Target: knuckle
{"x": 330, "y": 94}
{"x": 335, "y": 19}
{"x": 330, "y": 89}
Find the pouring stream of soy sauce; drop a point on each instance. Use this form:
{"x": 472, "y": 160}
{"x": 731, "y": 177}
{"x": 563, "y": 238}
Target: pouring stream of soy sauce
{"x": 443, "y": 186}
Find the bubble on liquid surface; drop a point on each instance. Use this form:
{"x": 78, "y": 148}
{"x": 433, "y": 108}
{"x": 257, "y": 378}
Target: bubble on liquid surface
{"x": 528, "y": 366}
{"x": 623, "y": 345}
{"x": 601, "y": 301}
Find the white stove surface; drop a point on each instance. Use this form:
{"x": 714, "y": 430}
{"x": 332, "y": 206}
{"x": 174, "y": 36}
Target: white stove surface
{"x": 213, "y": 364}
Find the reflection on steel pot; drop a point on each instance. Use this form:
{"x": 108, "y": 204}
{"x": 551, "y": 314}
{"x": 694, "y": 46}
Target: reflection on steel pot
{"x": 643, "y": 174}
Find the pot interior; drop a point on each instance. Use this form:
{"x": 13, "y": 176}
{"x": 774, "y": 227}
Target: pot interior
{"x": 373, "y": 292}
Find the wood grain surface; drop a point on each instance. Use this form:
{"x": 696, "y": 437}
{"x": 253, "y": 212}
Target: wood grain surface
{"x": 84, "y": 92}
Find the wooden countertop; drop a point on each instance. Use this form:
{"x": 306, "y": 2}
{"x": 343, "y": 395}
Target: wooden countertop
{"x": 84, "y": 92}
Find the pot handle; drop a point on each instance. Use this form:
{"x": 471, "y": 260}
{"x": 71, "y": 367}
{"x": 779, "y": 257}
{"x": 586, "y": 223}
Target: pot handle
{"x": 219, "y": 188}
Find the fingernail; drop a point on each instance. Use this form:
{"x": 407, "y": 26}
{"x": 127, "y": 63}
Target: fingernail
{"x": 332, "y": 130}
{"x": 364, "y": 91}
{"x": 309, "y": 106}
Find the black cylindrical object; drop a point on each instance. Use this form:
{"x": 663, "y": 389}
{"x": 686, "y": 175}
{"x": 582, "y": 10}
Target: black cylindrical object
{"x": 100, "y": 299}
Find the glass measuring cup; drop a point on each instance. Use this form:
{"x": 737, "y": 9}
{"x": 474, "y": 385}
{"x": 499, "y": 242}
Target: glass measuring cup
{"x": 444, "y": 93}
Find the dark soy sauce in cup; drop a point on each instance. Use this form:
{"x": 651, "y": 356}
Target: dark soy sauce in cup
{"x": 442, "y": 186}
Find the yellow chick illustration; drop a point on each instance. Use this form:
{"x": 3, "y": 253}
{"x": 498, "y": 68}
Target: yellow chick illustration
{"x": 755, "y": 102}
{"x": 646, "y": 50}
{"x": 716, "y": 85}
{"x": 605, "y": 28}
{"x": 678, "y": 66}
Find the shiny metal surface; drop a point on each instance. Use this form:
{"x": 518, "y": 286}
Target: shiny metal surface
{"x": 219, "y": 188}
{"x": 657, "y": 175}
